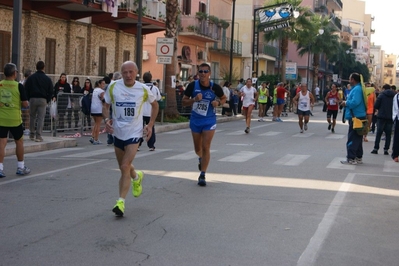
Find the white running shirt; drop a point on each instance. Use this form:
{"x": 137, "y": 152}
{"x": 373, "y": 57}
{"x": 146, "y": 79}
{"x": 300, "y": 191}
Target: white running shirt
{"x": 304, "y": 101}
{"x": 249, "y": 97}
{"x": 96, "y": 103}
{"x": 127, "y": 108}
{"x": 147, "y": 106}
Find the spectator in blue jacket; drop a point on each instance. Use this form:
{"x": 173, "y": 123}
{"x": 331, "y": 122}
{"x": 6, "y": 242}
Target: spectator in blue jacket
{"x": 355, "y": 107}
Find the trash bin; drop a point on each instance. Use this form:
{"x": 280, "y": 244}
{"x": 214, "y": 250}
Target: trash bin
{"x": 162, "y": 102}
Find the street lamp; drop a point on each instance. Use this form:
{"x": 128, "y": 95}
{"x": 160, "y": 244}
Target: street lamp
{"x": 321, "y": 31}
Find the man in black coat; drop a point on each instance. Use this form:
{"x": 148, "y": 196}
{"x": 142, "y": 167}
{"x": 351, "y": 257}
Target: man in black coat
{"x": 383, "y": 105}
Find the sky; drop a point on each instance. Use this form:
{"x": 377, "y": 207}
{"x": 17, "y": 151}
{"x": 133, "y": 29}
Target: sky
{"x": 385, "y": 24}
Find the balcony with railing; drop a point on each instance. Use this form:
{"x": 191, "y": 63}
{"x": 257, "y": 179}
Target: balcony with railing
{"x": 335, "y": 21}
{"x": 388, "y": 65}
{"x": 150, "y": 8}
{"x": 335, "y": 5}
{"x": 268, "y": 50}
{"x": 126, "y": 19}
{"x": 224, "y": 46}
{"x": 200, "y": 29}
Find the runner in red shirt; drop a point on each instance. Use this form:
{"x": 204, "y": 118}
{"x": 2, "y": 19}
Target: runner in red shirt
{"x": 332, "y": 99}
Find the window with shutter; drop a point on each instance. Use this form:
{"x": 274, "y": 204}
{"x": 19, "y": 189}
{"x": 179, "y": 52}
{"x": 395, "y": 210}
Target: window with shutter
{"x": 5, "y": 48}
{"x": 102, "y": 61}
{"x": 49, "y": 59}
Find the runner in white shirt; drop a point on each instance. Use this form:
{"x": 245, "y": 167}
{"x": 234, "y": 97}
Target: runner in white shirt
{"x": 127, "y": 97}
{"x": 96, "y": 110}
{"x": 249, "y": 97}
{"x": 304, "y": 100}
{"x": 147, "y": 77}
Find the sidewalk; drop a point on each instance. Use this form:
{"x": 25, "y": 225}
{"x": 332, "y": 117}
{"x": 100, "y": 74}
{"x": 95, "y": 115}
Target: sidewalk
{"x": 51, "y": 143}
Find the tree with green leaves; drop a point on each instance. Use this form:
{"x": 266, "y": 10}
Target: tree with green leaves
{"x": 319, "y": 38}
{"x": 343, "y": 58}
{"x": 285, "y": 35}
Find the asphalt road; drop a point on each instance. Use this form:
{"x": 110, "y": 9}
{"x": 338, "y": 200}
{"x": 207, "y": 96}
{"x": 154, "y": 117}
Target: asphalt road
{"x": 274, "y": 197}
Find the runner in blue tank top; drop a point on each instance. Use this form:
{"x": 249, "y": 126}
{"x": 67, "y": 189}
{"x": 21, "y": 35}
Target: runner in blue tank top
{"x": 204, "y": 96}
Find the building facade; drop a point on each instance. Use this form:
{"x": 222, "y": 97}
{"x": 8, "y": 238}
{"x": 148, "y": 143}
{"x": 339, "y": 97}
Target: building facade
{"x": 75, "y": 37}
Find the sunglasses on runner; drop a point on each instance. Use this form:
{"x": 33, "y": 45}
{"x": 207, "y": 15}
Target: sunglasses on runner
{"x": 203, "y": 71}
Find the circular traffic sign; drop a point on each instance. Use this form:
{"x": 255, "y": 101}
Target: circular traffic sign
{"x": 164, "y": 49}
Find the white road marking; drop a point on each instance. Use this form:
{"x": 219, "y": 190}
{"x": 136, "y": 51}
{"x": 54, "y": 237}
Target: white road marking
{"x": 303, "y": 135}
{"x": 50, "y": 172}
{"x": 90, "y": 153}
{"x": 391, "y": 167}
{"x": 309, "y": 256}
{"x": 143, "y": 152}
{"x": 36, "y": 154}
{"x": 185, "y": 156}
{"x": 336, "y": 164}
{"x": 292, "y": 159}
{"x": 270, "y": 133}
{"x": 174, "y": 132}
{"x": 335, "y": 136}
{"x": 241, "y": 156}
{"x": 241, "y": 132}
{"x": 240, "y": 144}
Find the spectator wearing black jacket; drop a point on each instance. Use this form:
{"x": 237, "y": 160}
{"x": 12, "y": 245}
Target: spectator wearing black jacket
{"x": 62, "y": 86}
{"x": 383, "y": 105}
{"x": 39, "y": 90}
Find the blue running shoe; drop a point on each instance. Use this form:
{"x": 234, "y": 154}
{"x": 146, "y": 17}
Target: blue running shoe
{"x": 23, "y": 171}
{"x": 201, "y": 181}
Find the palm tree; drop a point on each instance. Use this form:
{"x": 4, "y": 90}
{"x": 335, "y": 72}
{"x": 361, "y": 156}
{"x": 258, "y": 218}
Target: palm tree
{"x": 172, "y": 7}
{"x": 343, "y": 58}
{"x": 320, "y": 38}
{"x": 290, "y": 33}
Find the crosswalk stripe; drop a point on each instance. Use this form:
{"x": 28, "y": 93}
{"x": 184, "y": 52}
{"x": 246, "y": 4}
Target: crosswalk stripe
{"x": 41, "y": 153}
{"x": 292, "y": 159}
{"x": 335, "y": 136}
{"x": 391, "y": 166}
{"x": 270, "y": 133}
{"x": 90, "y": 153}
{"x": 336, "y": 164}
{"x": 174, "y": 132}
{"x": 303, "y": 135}
{"x": 241, "y": 156}
{"x": 185, "y": 156}
{"x": 144, "y": 153}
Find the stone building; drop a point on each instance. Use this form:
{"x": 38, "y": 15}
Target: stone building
{"x": 75, "y": 37}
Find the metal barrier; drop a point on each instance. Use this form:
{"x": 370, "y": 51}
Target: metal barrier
{"x": 69, "y": 116}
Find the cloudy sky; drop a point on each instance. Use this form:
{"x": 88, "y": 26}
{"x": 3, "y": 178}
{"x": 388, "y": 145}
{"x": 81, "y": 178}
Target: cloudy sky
{"x": 385, "y": 24}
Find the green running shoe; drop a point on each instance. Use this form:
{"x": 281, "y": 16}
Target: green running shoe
{"x": 119, "y": 208}
{"x": 136, "y": 184}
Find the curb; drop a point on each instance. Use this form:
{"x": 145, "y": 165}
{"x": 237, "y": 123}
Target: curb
{"x": 49, "y": 143}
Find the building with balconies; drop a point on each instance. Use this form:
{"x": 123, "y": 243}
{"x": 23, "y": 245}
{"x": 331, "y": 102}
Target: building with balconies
{"x": 88, "y": 38}
{"x": 389, "y": 69}
{"x": 357, "y": 30}
{"x": 376, "y": 60}
{"x": 203, "y": 36}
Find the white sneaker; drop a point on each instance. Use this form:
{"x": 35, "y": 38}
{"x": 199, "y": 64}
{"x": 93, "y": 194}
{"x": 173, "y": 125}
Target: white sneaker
{"x": 305, "y": 127}
{"x": 26, "y": 132}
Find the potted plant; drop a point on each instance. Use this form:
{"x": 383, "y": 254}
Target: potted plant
{"x": 192, "y": 28}
{"x": 224, "y": 24}
{"x": 213, "y": 19}
{"x": 201, "y": 15}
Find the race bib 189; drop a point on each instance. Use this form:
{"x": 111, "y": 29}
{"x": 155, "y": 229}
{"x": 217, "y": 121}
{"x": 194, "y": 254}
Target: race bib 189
{"x": 125, "y": 111}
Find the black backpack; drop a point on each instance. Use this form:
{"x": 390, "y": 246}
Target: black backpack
{"x": 86, "y": 104}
